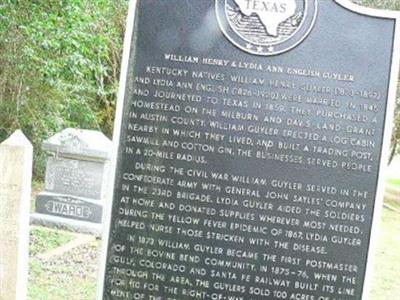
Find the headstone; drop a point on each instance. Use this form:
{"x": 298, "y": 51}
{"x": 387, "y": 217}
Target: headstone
{"x": 76, "y": 180}
{"x": 15, "y": 198}
{"x": 251, "y": 135}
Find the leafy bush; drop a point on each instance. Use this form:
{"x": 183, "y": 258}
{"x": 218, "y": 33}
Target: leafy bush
{"x": 393, "y": 5}
{"x": 59, "y": 66}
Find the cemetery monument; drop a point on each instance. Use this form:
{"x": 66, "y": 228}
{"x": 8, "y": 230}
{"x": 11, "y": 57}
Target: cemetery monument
{"x": 15, "y": 198}
{"x": 250, "y": 139}
{"x": 76, "y": 180}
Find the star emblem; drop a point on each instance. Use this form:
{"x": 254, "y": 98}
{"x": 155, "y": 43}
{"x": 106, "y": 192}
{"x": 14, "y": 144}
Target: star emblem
{"x": 270, "y": 30}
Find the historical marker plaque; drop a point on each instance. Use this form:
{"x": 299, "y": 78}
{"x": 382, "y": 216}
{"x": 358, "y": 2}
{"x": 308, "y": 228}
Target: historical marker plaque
{"x": 251, "y": 135}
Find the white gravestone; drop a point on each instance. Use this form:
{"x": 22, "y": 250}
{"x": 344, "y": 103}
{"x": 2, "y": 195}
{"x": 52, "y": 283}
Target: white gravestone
{"x": 15, "y": 191}
{"x": 76, "y": 180}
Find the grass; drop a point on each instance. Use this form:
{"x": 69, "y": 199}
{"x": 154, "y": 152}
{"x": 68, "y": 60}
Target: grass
{"x": 393, "y": 204}
{"x": 393, "y": 184}
{"x": 43, "y": 240}
{"x": 394, "y": 181}
{"x": 63, "y": 277}
{"x": 387, "y": 263}
{"x": 67, "y": 288}
{"x": 381, "y": 4}
{"x": 60, "y": 284}
{"x": 69, "y": 278}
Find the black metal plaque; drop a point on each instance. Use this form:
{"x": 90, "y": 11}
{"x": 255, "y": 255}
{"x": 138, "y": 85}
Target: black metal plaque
{"x": 249, "y": 151}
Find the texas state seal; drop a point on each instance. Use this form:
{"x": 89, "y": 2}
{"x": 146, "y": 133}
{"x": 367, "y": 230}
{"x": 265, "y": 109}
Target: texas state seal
{"x": 266, "y": 27}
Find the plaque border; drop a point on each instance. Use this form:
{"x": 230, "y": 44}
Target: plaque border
{"x": 387, "y": 133}
{"x": 385, "y": 151}
{"x": 119, "y": 112}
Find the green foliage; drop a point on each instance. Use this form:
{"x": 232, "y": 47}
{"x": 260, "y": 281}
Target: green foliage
{"x": 386, "y": 267}
{"x": 381, "y": 4}
{"x": 59, "y": 66}
{"x": 392, "y": 5}
{"x": 50, "y": 277}
{"x": 43, "y": 240}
